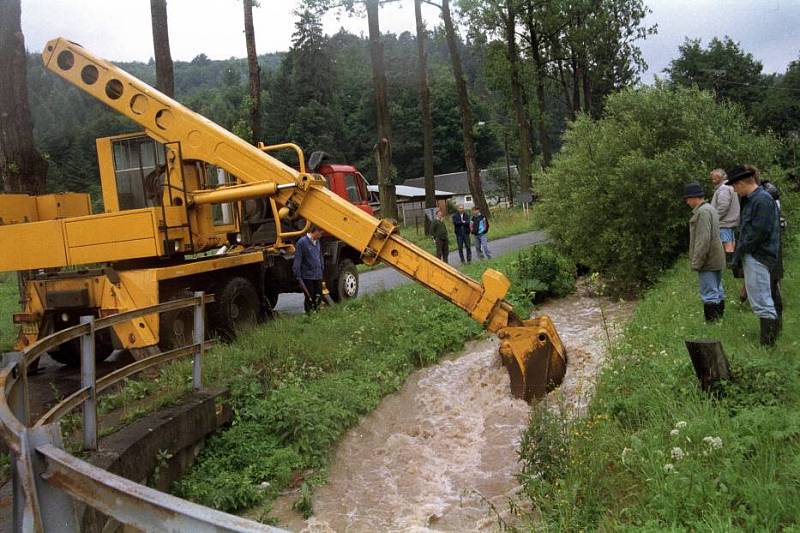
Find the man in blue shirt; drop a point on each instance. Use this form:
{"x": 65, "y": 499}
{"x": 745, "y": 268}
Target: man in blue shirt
{"x": 480, "y": 227}
{"x": 461, "y": 223}
{"x": 308, "y": 266}
{"x": 757, "y": 246}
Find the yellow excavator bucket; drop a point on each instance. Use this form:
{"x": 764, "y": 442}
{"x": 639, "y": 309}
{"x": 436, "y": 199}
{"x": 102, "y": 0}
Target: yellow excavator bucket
{"x": 534, "y": 356}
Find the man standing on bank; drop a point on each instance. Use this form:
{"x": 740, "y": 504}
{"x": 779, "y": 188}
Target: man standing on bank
{"x": 440, "y": 238}
{"x": 461, "y": 229}
{"x": 308, "y": 266}
{"x": 757, "y": 247}
{"x": 726, "y": 203}
{"x": 706, "y": 254}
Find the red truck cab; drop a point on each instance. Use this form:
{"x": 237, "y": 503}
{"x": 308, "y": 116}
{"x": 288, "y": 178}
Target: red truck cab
{"x": 347, "y": 182}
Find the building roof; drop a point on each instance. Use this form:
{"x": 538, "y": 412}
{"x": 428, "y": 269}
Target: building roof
{"x": 412, "y": 194}
{"x": 457, "y": 181}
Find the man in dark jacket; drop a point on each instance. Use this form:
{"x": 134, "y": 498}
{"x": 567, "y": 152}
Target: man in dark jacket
{"x": 480, "y": 228}
{"x": 461, "y": 229}
{"x": 307, "y": 267}
{"x": 706, "y": 254}
{"x": 439, "y": 233}
{"x": 757, "y": 247}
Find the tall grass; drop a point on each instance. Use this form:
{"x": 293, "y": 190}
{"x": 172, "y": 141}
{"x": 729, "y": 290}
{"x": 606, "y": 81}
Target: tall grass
{"x": 655, "y": 452}
{"x": 9, "y": 304}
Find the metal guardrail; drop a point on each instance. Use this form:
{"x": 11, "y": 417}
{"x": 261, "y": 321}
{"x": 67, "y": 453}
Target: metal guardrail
{"x": 47, "y": 481}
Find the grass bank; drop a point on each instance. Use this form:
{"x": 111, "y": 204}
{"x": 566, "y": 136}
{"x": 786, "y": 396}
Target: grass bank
{"x": 298, "y": 383}
{"x": 9, "y": 304}
{"x": 654, "y": 452}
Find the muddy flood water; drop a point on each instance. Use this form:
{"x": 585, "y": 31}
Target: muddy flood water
{"x": 440, "y": 455}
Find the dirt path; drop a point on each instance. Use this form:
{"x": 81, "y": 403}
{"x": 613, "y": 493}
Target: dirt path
{"x": 441, "y": 454}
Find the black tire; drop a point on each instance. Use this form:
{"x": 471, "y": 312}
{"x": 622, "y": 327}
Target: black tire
{"x": 237, "y": 306}
{"x": 69, "y": 353}
{"x": 345, "y": 287}
{"x": 176, "y": 329}
{"x": 272, "y": 297}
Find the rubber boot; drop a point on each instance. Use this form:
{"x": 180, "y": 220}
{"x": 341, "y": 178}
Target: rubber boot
{"x": 729, "y": 259}
{"x": 769, "y": 331}
{"x": 721, "y": 309}
{"x": 710, "y": 312}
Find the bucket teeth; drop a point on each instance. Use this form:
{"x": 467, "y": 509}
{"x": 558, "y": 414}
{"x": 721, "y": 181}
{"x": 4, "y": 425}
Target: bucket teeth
{"x": 534, "y": 356}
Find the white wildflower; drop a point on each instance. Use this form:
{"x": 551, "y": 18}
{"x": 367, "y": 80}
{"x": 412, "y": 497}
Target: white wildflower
{"x": 669, "y": 468}
{"x": 714, "y": 443}
{"x": 680, "y": 425}
{"x": 674, "y": 432}
{"x": 677, "y": 454}
{"x": 625, "y": 452}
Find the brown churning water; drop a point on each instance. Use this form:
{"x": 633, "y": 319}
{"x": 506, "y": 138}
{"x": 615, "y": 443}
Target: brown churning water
{"x": 441, "y": 454}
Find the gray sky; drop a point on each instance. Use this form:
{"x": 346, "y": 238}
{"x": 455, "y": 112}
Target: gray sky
{"x": 120, "y": 29}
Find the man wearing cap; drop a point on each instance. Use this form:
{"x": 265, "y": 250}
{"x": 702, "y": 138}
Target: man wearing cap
{"x": 757, "y": 247}
{"x": 706, "y": 255}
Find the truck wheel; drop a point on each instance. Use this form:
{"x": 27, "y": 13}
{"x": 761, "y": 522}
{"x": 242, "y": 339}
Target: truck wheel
{"x": 176, "y": 329}
{"x": 346, "y": 285}
{"x": 237, "y": 306}
{"x": 69, "y": 353}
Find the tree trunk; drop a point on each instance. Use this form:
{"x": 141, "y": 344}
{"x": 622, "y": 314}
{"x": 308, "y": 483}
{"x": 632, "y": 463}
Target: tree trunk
{"x": 538, "y": 64}
{"x": 518, "y": 99}
{"x": 576, "y": 86}
{"x": 384, "y": 145}
{"x": 473, "y": 174}
{"x": 254, "y": 71}
{"x": 165, "y": 80}
{"x": 22, "y": 168}
{"x": 587, "y": 89}
{"x": 425, "y": 114}
{"x": 567, "y": 98}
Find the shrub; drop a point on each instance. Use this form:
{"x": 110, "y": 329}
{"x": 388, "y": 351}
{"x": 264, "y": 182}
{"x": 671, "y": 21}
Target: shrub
{"x": 545, "y": 271}
{"x": 612, "y": 198}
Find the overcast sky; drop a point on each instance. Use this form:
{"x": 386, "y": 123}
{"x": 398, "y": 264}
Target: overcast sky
{"x": 120, "y": 30}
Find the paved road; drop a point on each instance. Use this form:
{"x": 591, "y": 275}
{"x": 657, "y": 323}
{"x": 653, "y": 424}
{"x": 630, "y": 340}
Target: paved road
{"x": 386, "y": 278}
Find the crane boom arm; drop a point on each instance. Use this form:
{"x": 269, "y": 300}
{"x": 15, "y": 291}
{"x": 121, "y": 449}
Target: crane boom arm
{"x": 305, "y": 194}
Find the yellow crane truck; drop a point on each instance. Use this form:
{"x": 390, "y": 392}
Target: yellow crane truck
{"x": 190, "y": 206}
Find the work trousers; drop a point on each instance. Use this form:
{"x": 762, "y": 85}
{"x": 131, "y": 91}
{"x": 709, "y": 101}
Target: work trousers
{"x": 313, "y": 294}
{"x": 462, "y": 238}
{"x": 759, "y": 290}
{"x": 442, "y": 249}
{"x": 482, "y": 246}
{"x": 711, "y": 291}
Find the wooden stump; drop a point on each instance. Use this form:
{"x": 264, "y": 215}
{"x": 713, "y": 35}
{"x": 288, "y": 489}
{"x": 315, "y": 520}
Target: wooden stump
{"x": 709, "y": 360}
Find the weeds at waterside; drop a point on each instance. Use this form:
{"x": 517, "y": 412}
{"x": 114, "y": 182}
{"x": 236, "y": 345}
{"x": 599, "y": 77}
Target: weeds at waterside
{"x": 654, "y": 451}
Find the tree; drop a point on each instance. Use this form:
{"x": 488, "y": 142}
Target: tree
{"x": 165, "y": 81}
{"x": 22, "y": 168}
{"x": 779, "y": 107}
{"x": 723, "y": 67}
{"x": 425, "y": 111}
{"x": 611, "y": 199}
{"x": 383, "y": 146}
{"x": 488, "y": 16}
{"x": 467, "y": 120}
{"x": 254, "y": 71}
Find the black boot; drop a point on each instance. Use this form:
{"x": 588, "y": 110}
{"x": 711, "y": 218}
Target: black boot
{"x": 769, "y": 331}
{"x": 710, "y": 312}
{"x": 721, "y": 309}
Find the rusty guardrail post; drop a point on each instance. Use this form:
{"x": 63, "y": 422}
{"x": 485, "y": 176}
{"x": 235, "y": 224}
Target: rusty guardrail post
{"x": 88, "y": 377}
{"x": 199, "y": 338}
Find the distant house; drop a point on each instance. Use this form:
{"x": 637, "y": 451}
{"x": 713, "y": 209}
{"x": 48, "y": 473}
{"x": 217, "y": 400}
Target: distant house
{"x": 494, "y": 181}
{"x": 410, "y": 201}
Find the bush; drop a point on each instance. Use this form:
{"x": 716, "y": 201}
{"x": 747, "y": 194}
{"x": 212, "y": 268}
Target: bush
{"x": 546, "y": 272}
{"x": 612, "y": 198}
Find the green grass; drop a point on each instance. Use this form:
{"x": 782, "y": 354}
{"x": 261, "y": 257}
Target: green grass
{"x": 300, "y": 382}
{"x": 9, "y": 304}
{"x": 654, "y": 452}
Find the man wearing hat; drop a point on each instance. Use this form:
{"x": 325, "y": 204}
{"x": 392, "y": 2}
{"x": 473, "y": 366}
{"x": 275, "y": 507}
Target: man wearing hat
{"x": 706, "y": 255}
{"x": 757, "y": 247}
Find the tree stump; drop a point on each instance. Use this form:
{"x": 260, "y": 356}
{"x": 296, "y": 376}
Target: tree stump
{"x": 709, "y": 361}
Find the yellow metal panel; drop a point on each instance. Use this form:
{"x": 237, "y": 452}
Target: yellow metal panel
{"x": 114, "y": 251}
{"x": 63, "y": 205}
{"x": 33, "y": 245}
{"x": 208, "y": 265}
{"x": 108, "y": 179}
{"x": 110, "y": 228}
{"x": 17, "y": 208}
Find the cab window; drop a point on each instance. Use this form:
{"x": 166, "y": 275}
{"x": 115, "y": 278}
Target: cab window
{"x": 139, "y": 168}
{"x": 351, "y": 187}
